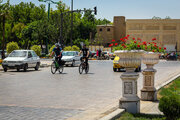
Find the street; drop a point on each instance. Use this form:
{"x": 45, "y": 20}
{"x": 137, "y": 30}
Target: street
{"x": 40, "y": 95}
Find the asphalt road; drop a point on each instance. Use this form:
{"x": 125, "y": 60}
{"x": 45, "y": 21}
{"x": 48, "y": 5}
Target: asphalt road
{"x": 40, "y": 95}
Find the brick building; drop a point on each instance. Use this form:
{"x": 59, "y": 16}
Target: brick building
{"x": 166, "y": 31}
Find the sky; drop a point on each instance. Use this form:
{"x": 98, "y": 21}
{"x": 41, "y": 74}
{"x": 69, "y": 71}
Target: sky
{"x": 131, "y": 9}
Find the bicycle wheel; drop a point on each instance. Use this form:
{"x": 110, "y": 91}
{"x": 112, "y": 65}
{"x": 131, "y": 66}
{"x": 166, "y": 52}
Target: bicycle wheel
{"x": 61, "y": 68}
{"x": 87, "y": 69}
{"x": 80, "y": 68}
{"x": 53, "y": 68}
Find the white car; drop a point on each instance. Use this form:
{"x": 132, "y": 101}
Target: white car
{"x": 21, "y": 59}
{"x": 70, "y": 58}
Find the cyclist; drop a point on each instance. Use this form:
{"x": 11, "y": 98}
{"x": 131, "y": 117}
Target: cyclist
{"x": 85, "y": 52}
{"x": 58, "y": 53}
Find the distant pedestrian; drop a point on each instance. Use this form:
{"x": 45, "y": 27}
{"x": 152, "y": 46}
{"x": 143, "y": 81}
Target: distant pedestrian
{"x": 97, "y": 53}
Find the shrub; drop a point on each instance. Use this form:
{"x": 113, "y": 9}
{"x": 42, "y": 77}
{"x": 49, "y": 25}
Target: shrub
{"x": 68, "y": 48}
{"x": 12, "y": 46}
{"x": 51, "y": 49}
{"x": 75, "y": 48}
{"x": 37, "y": 49}
{"x": 170, "y": 106}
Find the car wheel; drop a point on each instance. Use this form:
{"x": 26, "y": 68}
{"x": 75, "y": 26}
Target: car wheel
{"x": 115, "y": 69}
{"x": 37, "y": 66}
{"x": 5, "y": 69}
{"x": 73, "y": 63}
{"x": 25, "y": 67}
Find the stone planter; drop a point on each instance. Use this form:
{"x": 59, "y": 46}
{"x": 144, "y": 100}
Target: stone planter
{"x": 148, "y": 91}
{"x": 129, "y": 60}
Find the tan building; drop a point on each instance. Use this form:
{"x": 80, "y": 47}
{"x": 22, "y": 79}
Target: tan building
{"x": 166, "y": 31}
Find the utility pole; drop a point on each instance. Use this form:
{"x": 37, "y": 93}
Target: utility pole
{"x": 71, "y": 22}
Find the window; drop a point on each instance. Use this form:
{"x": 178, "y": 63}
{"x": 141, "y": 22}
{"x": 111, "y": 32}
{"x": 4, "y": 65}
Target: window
{"x": 29, "y": 55}
{"x": 108, "y": 29}
{"x": 33, "y": 54}
{"x": 100, "y": 29}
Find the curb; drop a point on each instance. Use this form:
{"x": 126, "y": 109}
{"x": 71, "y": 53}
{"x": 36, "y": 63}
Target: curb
{"x": 167, "y": 82}
{"x": 115, "y": 114}
{"x": 44, "y": 65}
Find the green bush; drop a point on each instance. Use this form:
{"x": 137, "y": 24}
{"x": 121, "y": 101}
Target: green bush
{"x": 37, "y": 49}
{"x": 12, "y": 46}
{"x": 75, "y": 48}
{"x": 170, "y": 106}
{"x": 51, "y": 49}
{"x": 68, "y": 48}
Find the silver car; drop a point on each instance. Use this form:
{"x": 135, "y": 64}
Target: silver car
{"x": 71, "y": 58}
{"x": 21, "y": 59}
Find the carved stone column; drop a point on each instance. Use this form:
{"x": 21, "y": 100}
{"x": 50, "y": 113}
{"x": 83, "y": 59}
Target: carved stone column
{"x": 129, "y": 59}
{"x": 148, "y": 91}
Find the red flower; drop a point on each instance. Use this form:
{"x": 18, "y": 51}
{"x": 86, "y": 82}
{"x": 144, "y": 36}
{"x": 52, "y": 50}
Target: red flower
{"x": 160, "y": 48}
{"x": 164, "y": 48}
{"x": 113, "y": 40}
{"x": 121, "y": 39}
{"x": 155, "y": 45}
{"x": 149, "y": 43}
{"x": 127, "y": 35}
{"x": 146, "y": 47}
{"x": 134, "y": 41}
{"x": 138, "y": 45}
{"x": 110, "y": 45}
{"x": 124, "y": 46}
{"x": 116, "y": 44}
{"x": 144, "y": 43}
{"x": 133, "y": 38}
{"x": 153, "y": 39}
{"x": 153, "y": 50}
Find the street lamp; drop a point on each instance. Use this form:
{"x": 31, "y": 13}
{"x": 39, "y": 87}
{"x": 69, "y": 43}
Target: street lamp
{"x": 49, "y": 3}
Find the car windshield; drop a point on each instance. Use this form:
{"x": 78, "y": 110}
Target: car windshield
{"x": 68, "y": 53}
{"x": 18, "y": 54}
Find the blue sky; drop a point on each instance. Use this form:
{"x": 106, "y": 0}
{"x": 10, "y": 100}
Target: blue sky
{"x": 131, "y": 9}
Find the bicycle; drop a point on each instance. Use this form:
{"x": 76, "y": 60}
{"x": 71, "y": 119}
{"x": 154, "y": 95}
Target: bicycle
{"x": 83, "y": 66}
{"x": 55, "y": 66}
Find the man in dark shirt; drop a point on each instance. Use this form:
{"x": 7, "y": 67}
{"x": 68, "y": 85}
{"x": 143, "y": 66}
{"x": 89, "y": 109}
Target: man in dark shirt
{"x": 58, "y": 53}
{"x": 85, "y": 52}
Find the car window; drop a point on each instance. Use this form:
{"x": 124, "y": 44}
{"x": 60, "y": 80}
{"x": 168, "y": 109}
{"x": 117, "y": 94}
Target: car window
{"x": 29, "y": 55}
{"x": 33, "y": 54}
{"x": 18, "y": 54}
{"x": 68, "y": 53}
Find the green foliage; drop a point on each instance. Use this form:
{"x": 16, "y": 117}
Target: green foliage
{"x": 36, "y": 49}
{"x": 129, "y": 116}
{"x": 173, "y": 88}
{"x": 51, "y": 49}
{"x": 12, "y": 46}
{"x": 73, "y": 48}
{"x": 27, "y": 24}
{"x": 170, "y": 106}
{"x": 68, "y": 48}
